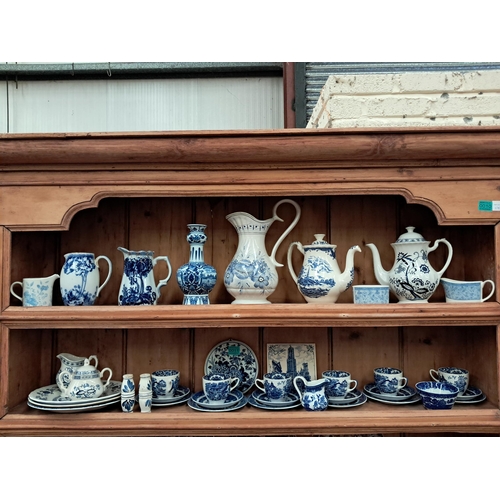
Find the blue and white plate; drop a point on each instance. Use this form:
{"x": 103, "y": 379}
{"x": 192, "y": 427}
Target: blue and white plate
{"x": 476, "y": 399}
{"x": 470, "y": 393}
{"x": 73, "y": 409}
{"x": 201, "y": 400}
{"x": 169, "y": 402}
{"x": 234, "y": 359}
{"x": 50, "y": 395}
{"x": 253, "y": 402}
{"x": 180, "y": 393}
{"x": 263, "y": 398}
{"x": 361, "y": 400}
{"x": 350, "y": 398}
{"x": 240, "y": 404}
{"x": 402, "y": 395}
{"x": 405, "y": 401}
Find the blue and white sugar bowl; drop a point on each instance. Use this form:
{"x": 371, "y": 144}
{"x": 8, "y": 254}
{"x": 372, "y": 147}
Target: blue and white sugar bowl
{"x": 437, "y": 395}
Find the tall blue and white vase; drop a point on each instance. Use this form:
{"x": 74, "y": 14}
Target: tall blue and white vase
{"x": 80, "y": 277}
{"x": 145, "y": 392}
{"x": 196, "y": 279}
{"x": 128, "y": 393}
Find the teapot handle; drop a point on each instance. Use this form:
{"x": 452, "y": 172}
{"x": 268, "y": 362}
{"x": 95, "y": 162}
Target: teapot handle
{"x": 450, "y": 254}
{"x": 290, "y": 227}
{"x": 300, "y": 391}
{"x": 109, "y": 378}
{"x": 110, "y": 268}
{"x": 163, "y": 282}
{"x": 289, "y": 258}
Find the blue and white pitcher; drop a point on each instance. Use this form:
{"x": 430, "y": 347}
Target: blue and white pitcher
{"x": 312, "y": 393}
{"x": 138, "y": 282}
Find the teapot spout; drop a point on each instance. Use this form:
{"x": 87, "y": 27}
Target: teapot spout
{"x": 348, "y": 274}
{"x": 381, "y": 275}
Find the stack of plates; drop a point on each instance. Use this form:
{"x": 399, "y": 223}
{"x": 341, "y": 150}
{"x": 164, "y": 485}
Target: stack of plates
{"x": 181, "y": 396}
{"x": 353, "y": 398}
{"x": 406, "y": 395}
{"x": 49, "y": 398}
{"x": 471, "y": 395}
{"x": 259, "y": 399}
{"x": 234, "y": 401}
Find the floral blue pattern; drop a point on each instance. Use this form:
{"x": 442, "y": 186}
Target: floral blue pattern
{"x": 81, "y": 265}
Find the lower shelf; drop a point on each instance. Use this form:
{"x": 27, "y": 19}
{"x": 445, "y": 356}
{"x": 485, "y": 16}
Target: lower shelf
{"x": 371, "y": 418}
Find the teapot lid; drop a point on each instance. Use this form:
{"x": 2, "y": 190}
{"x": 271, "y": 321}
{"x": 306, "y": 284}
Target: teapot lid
{"x": 411, "y": 236}
{"x": 319, "y": 240}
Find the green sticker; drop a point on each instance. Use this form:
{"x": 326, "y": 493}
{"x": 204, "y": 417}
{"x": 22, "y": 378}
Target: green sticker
{"x": 485, "y": 206}
{"x": 233, "y": 350}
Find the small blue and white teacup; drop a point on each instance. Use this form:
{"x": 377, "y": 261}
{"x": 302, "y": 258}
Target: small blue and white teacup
{"x": 466, "y": 291}
{"x": 338, "y": 384}
{"x": 459, "y": 377}
{"x": 165, "y": 383}
{"x": 217, "y": 387}
{"x": 275, "y": 385}
{"x": 389, "y": 380}
{"x": 370, "y": 294}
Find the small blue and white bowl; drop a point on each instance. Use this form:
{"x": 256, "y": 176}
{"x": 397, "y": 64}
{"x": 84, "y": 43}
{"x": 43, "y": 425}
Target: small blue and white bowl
{"x": 437, "y": 395}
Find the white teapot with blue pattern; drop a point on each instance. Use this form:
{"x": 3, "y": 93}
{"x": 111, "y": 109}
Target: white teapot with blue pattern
{"x": 411, "y": 278}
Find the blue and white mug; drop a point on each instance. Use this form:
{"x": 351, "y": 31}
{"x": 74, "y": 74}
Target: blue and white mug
{"x": 36, "y": 291}
{"x": 459, "y": 377}
{"x": 217, "y": 387}
{"x": 466, "y": 291}
{"x": 389, "y": 380}
{"x": 165, "y": 383}
{"x": 275, "y": 385}
{"x": 338, "y": 384}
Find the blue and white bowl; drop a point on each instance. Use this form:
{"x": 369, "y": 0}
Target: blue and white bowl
{"x": 437, "y": 395}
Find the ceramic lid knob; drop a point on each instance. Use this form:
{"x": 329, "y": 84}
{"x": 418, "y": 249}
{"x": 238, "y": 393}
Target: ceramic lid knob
{"x": 411, "y": 236}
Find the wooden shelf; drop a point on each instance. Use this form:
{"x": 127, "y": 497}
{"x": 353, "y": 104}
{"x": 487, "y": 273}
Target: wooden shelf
{"x": 370, "y": 418}
{"x": 272, "y": 315}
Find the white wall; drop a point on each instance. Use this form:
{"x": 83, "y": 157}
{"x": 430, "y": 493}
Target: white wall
{"x": 142, "y": 105}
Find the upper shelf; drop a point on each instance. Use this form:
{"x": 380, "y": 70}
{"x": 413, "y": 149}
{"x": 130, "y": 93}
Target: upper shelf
{"x": 273, "y": 315}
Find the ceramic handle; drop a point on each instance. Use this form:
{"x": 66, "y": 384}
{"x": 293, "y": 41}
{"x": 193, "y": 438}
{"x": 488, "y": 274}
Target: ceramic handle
{"x": 261, "y": 386}
{"x": 436, "y": 376}
{"x": 60, "y": 381}
{"x": 290, "y": 227}
{"x": 450, "y": 254}
{"x": 289, "y": 258}
{"x": 492, "y": 289}
{"x": 355, "y": 382}
{"x": 109, "y": 378}
{"x": 93, "y": 357}
{"x": 163, "y": 282}
{"x": 235, "y": 382}
{"x": 110, "y": 268}
{"x": 299, "y": 390}
{"x": 14, "y": 293}
{"x": 402, "y": 382}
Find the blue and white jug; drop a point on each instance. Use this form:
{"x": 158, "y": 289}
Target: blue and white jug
{"x": 312, "y": 393}
{"x": 138, "y": 285}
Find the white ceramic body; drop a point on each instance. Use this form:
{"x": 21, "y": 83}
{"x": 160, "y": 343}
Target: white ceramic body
{"x": 275, "y": 385}
{"x": 412, "y": 279}
{"x": 165, "y": 383}
{"x": 320, "y": 279}
{"x": 36, "y": 292}
{"x": 466, "y": 291}
{"x": 127, "y": 393}
{"x": 389, "y": 380}
{"x": 338, "y": 384}
{"x": 80, "y": 278}
{"x": 69, "y": 363}
{"x": 217, "y": 387}
{"x": 86, "y": 382}
{"x": 251, "y": 275}
{"x": 138, "y": 285}
{"x": 459, "y": 377}
{"x": 145, "y": 392}
{"x": 370, "y": 294}
{"x": 312, "y": 393}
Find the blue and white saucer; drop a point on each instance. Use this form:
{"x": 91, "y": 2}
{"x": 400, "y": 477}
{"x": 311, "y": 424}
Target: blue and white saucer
{"x": 263, "y": 398}
{"x": 171, "y": 402}
{"x": 356, "y": 400}
{"x": 350, "y": 398}
{"x": 402, "y": 395}
{"x": 240, "y": 404}
{"x": 234, "y": 397}
{"x": 471, "y": 395}
{"x": 180, "y": 393}
{"x": 257, "y": 404}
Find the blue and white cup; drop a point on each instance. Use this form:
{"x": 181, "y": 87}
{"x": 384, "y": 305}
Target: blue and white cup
{"x": 217, "y": 387}
{"x": 36, "y": 291}
{"x": 370, "y": 294}
{"x": 339, "y": 384}
{"x": 466, "y": 291}
{"x": 275, "y": 385}
{"x": 459, "y": 377}
{"x": 165, "y": 383}
{"x": 389, "y": 380}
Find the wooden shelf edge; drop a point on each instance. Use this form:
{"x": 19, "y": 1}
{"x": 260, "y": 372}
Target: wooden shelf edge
{"x": 218, "y": 315}
{"x": 182, "y": 421}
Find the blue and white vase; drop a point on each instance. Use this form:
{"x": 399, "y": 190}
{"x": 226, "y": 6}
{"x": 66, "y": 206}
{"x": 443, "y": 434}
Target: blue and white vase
{"x": 79, "y": 278}
{"x": 128, "y": 393}
{"x": 196, "y": 278}
{"x": 145, "y": 392}
{"x": 138, "y": 285}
